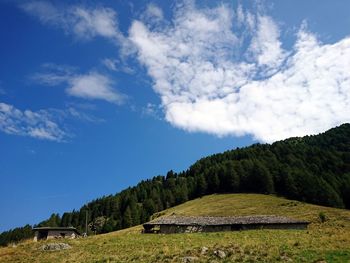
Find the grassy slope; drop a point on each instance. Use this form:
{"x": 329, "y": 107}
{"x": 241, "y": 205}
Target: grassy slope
{"x": 328, "y": 241}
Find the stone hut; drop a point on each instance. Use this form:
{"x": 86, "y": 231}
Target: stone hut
{"x": 45, "y": 233}
{"x": 190, "y": 224}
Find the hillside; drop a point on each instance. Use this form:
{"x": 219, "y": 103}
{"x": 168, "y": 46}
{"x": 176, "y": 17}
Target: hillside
{"x": 314, "y": 169}
{"x": 329, "y": 241}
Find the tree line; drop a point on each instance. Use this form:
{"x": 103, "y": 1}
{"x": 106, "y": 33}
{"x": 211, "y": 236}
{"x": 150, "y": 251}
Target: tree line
{"x": 314, "y": 169}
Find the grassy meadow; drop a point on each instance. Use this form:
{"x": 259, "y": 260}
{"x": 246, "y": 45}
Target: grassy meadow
{"x": 327, "y": 241}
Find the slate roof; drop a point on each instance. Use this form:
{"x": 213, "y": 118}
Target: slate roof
{"x": 48, "y": 228}
{"x": 217, "y": 221}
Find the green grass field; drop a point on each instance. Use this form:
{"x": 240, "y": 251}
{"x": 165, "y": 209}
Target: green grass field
{"x": 322, "y": 242}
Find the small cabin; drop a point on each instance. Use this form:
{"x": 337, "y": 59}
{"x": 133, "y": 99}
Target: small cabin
{"x": 190, "y": 224}
{"x": 45, "y": 233}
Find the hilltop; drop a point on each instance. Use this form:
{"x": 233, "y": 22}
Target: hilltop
{"x": 328, "y": 240}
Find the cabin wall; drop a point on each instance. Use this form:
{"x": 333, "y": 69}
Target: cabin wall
{"x": 40, "y": 235}
{"x": 36, "y": 234}
{"x": 217, "y": 228}
{"x": 169, "y": 229}
{"x": 52, "y": 234}
{"x": 284, "y": 226}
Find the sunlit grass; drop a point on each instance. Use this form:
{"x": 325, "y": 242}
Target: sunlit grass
{"x": 329, "y": 241}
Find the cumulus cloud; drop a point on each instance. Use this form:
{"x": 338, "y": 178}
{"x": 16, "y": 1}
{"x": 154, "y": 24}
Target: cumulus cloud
{"x": 226, "y": 73}
{"x": 40, "y": 124}
{"x": 92, "y": 85}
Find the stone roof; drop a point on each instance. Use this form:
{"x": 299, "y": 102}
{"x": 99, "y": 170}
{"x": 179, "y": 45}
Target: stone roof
{"x": 49, "y": 228}
{"x": 213, "y": 220}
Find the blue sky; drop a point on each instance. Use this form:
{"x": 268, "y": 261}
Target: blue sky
{"x": 95, "y": 97}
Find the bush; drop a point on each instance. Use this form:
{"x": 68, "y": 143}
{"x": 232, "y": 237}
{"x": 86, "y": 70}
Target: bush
{"x": 322, "y": 217}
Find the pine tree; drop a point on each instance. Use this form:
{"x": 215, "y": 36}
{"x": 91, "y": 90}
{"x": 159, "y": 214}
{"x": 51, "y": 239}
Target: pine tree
{"x": 127, "y": 218}
{"x": 261, "y": 179}
{"x": 233, "y": 180}
{"x": 201, "y": 185}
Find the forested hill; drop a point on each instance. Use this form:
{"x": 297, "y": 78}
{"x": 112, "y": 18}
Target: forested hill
{"x": 314, "y": 169}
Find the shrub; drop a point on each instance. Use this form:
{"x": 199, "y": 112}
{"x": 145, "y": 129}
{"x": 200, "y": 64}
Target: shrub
{"x": 322, "y": 217}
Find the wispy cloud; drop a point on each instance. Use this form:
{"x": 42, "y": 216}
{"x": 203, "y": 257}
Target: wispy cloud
{"x": 54, "y": 74}
{"x": 265, "y": 45}
{"x": 226, "y": 73}
{"x": 46, "y": 12}
{"x": 117, "y": 65}
{"x": 81, "y": 115}
{"x": 84, "y": 23}
{"x": 111, "y": 64}
{"x": 40, "y": 124}
{"x": 154, "y": 11}
{"x": 92, "y": 85}
{"x": 95, "y": 22}
{"x": 153, "y": 110}
{"x": 44, "y": 124}
{"x": 153, "y": 14}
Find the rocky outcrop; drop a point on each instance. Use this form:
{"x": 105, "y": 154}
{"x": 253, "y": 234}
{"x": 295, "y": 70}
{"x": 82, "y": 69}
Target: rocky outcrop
{"x": 55, "y": 246}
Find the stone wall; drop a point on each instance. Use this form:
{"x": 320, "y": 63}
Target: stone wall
{"x": 54, "y": 234}
{"x": 168, "y": 229}
{"x": 60, "y": 234}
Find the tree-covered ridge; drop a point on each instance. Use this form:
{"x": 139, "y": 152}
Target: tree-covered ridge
{"x": 314, "y": 169}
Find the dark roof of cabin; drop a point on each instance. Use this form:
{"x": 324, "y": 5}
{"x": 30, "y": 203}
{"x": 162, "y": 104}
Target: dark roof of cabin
{"x": 49, "y": 228}
{"x": 216, "y": 221}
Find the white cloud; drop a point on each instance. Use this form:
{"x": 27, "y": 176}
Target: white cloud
{"x": 265, "y": 45}
{"x": 152, "y": 110}
{"x": 39, "y": 124}
{"x": 111, "y": 64}
{"x": 117, "y": 65}
{"x": 46, "y": 12}
{"x": 92, "y": 85}
{"x": 240, "y": 15}
{"x": 95, "y": 22}
{"x": 81, "y": 21}
{"x": 55, "y": 74}
{"x": 209, "y": 81}
{"x": 82, "y": 116}
{"x": 45, "y": 124}
{"x": 153, "y": 13}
